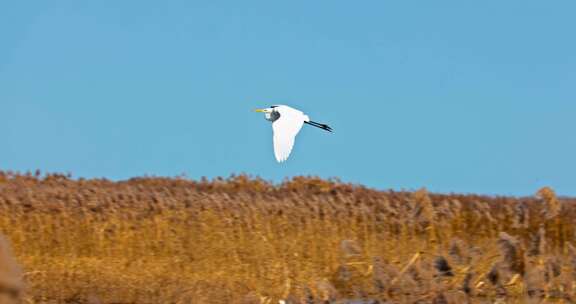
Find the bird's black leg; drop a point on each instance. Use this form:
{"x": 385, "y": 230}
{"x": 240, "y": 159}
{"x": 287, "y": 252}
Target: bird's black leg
{"x": 319, "y": 125}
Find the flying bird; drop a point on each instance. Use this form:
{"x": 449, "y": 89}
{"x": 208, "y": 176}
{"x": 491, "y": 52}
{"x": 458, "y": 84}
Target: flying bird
{"x": 286, "y": 123}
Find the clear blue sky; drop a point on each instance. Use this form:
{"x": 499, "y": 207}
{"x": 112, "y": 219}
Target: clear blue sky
{"x": 455, "y": 96}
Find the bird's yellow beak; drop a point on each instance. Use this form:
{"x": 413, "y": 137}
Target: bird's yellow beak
{"x": 259, "y": 110}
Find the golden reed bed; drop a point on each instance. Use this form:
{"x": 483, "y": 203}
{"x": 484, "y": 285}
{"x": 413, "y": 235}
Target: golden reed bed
{"x": 243, "y": 240}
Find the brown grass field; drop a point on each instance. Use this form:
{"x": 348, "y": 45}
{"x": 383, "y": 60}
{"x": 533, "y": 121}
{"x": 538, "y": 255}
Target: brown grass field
{"x": 307, "y": 240}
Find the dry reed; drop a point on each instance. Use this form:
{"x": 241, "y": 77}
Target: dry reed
{"x": 307, "y": 240}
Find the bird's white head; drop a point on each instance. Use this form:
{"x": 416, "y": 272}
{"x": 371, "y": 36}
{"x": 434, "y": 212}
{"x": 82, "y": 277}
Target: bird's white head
{"x": 270, "y": 113}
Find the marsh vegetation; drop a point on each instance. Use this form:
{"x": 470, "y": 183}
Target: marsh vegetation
{"x": 307, "y": 240}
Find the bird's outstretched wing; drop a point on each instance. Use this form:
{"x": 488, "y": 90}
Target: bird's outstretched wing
{"x": 285, "y": 130}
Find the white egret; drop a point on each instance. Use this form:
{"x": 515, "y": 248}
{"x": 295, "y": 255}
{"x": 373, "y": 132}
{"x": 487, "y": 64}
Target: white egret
{"x": 286, "y": 123}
